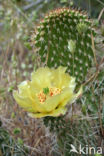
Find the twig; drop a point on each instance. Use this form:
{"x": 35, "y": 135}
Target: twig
{"x": 5, "y": 61}
{"x": 25, "y": 8}
{"x": 100, "y": 2}
{"x": 93, "y": 47}
{"x": 100, "y": 117}
{"x": 91, "y": 78}
{"x": 96, "y": 73}
{"x": 100, "y": 15}
{"x": 21, "y": 12}
{"x": 32, "y": 148}
{"x": 87, "y": 118}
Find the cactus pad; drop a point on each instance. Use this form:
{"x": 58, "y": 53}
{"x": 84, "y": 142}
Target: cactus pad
{"x": 63, "y": 37}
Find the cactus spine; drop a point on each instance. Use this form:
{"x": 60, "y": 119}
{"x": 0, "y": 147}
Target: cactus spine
{"x": 63, "y": 37}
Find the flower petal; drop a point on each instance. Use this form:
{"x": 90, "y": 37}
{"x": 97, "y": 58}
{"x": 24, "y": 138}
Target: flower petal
{"x": 55, "y": 113}
{"x": 79, "y": 93}
{"x": 63, "y": 79}
{"x": 24, "y": 89}
{"x": 29, "y": 104}
{"x": 41, "y": 78}
{"x": 53, "y": 105}
{"x": 57, "y": 100}
{"x": 24, "y": 102}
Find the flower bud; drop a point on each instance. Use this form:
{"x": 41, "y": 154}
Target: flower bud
{"x": 72, "y": 46}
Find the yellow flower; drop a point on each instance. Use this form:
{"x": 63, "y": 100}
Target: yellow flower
{"x": 48, "y": 92}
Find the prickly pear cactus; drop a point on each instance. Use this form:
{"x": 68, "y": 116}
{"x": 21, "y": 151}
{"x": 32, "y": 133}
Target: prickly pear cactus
{"x": 81, "y": 128}
{"x": 64, "y": 37}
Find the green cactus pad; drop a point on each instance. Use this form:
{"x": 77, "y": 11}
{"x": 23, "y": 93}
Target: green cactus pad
{"x": 64, "y": 38}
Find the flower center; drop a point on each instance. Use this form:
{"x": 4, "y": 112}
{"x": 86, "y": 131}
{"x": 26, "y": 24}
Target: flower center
{"x": 47, "y": 92}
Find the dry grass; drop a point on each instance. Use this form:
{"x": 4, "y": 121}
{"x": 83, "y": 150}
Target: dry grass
{"x": 35, "y": 135}
{"x": 16, "y": 65}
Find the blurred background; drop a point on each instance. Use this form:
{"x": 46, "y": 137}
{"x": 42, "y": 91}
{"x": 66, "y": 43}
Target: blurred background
{"x": 18, "y": 19}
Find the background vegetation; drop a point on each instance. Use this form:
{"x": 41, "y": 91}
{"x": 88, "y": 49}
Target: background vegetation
{"x": 19, "y": 134}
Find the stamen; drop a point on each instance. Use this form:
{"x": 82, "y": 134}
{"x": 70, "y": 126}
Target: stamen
{"x": 52, "y": 92}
